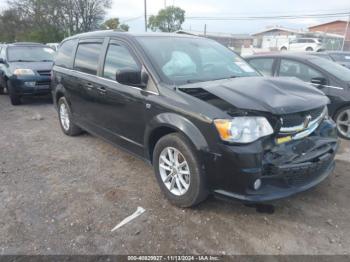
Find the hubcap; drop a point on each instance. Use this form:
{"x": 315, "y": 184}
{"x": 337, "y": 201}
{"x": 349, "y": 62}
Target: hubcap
{"x": 64, "y": 117}
{"x": 174, "y": 171}
{"x": 343, "y": 123}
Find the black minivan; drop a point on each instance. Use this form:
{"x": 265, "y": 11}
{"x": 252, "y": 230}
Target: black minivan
{"x": 25, "y": 69}
{"x": 205, "y": 120}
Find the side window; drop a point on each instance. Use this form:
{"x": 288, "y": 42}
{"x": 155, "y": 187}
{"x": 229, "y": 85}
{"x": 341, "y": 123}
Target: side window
{"x": 86, "y": 58}
{"x": 300, "y": 70}
{"x": 118, "y": 58}
{"x": 263, "y": 65}
{"x": 65, "y": 54}
{"x": 3, "y": 53}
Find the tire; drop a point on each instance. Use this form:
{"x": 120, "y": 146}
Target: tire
{"x": 342, "y": 119}
{"x": 15, "y": 100}
{"x": 65, "y": 118}
{"x": 283, "y": 48}
{"x": 195, "y": 180}
{"x": 309, "y": 49}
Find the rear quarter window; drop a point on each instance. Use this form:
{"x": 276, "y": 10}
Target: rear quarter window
{"x": 64, "y": 56}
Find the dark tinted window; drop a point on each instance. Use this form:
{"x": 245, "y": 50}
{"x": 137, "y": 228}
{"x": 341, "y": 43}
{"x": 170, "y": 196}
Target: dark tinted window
{"x": 86, "y": 59}
{"x": 300, "y": 70}
{"x": 118, "y": 57}
{"x": 263, "y": 65}
{"x": 65, "y": 54}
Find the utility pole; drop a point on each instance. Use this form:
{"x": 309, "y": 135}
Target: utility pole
{"x": 205, "y": 30}
{"x": 146, "y": 15}
{"x": 346, "y": 32}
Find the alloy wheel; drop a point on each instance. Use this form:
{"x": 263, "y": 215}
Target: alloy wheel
{"x": 343, "y": 123}
{"x": 64, "y": 116}
{"x": 174, "y": 171}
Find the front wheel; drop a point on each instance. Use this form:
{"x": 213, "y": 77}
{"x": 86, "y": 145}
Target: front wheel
{"x": 342, "y": 119}
{"x": 65, "y": 117}
{"x": 178, "y": 171}
{"x": 15, "y": 99}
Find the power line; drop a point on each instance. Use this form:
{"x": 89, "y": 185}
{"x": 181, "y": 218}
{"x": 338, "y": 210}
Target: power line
{"x": 325, "y": 15}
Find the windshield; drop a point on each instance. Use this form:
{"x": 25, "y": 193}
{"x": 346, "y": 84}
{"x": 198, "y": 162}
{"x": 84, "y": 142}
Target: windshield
{"x": 30, "y": 54}
{"x": 188, "y": 60}
{"x": 333, "y": 68}
{"x": 341, "y": 57}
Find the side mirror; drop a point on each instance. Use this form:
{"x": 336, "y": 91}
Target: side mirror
{"x": 132, "y": 77}
{"x": 319, "y": 81}
{"x": 2, "y": 61}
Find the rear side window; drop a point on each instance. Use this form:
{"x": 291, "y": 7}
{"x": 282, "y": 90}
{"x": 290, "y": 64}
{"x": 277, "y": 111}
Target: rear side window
{"x": 65, "y": 54}
{"x": 86, "y": 58}
{"x": 118, "y": 58}
{"x": 300, "y": 70}
{"x": 263, "y": 65}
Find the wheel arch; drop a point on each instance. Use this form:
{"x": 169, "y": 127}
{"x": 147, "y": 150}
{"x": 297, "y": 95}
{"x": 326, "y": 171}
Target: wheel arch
{"x": 168, "y": 123}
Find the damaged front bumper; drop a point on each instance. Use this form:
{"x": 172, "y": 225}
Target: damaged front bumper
{"x": 283, "y": 170}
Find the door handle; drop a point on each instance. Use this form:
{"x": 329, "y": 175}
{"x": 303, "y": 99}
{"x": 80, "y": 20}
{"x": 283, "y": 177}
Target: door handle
{"x": 89, "y": 86}
{"x": 102, "y": 90}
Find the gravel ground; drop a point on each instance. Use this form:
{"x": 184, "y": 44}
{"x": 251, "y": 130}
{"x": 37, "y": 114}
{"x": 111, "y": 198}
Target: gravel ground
{"x": 63, "y": 195}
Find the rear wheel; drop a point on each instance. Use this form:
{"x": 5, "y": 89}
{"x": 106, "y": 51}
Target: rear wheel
{"x": 178, "y": 171}
{"x": 65, "y": 117}
{"x": 309, "y": 49}
{"x": 342, "y": 119}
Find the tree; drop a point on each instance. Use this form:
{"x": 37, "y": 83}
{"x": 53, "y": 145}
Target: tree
{"x": 50, "y": 20}
{"x": 113, "y": 23}
{"x": 169, "y": 19}
{"x": 124, "y": 27}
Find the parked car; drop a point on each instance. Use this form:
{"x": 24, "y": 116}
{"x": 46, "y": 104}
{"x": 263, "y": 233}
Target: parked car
{"x": 54, "y": 46}
{"x": 25, "y": 70}
{"x": 330, "y": 77}
{"x": 196, "y": 111}
{"x": 339, "y": 57}
{"x": 303, "y": 44}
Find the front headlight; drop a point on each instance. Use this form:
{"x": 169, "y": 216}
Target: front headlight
{"x": 243, "y": 129}
{"x": 23, "y": 72}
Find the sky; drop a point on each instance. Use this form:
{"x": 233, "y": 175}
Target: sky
{"x": 131, "y": 11}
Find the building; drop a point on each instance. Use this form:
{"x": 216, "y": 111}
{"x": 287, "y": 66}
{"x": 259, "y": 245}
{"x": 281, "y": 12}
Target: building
{"x": 337, "y": 27}
{"x": 232, "y": 41}
{"x": 274, "y": 37}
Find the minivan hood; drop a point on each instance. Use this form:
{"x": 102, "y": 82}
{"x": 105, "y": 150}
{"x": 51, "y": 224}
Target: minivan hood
{"x": 31, "y": 65}
{"x": 275, "y": 95}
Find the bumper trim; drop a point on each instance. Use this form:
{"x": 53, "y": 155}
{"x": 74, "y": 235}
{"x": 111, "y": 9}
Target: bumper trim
{"x": 276, "y": 192}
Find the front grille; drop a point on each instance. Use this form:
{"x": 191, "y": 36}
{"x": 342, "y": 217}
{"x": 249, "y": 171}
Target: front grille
{"x": 44, "y": 72}
{"x": 296, "y": 119}
{"x": 300, "y": 174}
{"x": 43, "y": 83}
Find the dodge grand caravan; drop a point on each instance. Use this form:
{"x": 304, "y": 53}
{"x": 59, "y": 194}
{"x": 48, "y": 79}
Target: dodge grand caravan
{"x": 205, "y": 120}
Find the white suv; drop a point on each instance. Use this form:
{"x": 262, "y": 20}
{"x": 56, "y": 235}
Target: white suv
{"x": 304, "y": 44}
